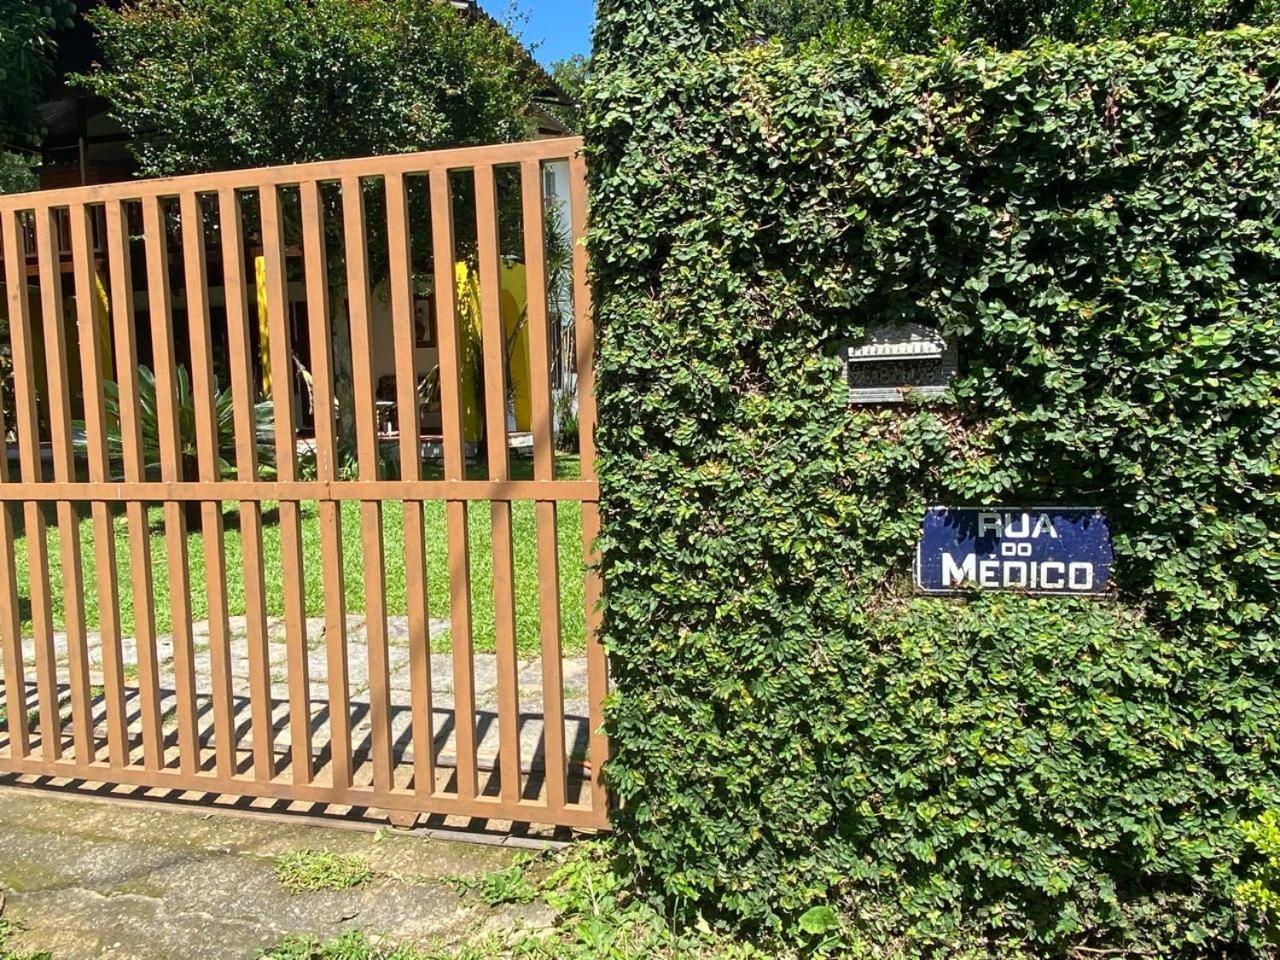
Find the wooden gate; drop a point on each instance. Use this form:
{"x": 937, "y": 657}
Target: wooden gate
{"x": 213, "y": 376}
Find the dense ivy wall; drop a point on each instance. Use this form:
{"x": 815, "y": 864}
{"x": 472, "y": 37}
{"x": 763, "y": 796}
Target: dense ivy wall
{"x": 1100, "y": 227}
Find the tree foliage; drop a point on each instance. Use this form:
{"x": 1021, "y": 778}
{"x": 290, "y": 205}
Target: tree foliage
{"x": 17, "y": 172}
{"x": 570, "y": 75}
{"x": 919, "y": 26}
{"x": 26, "y": 47}
{"x": 1099, "y": 229}
{"x": 212, "y": 84}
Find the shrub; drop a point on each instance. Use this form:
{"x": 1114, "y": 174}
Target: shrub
{"x": 920, "y": 26}
{"x": 567, "y": 422}
{"x": 1098, "y": 228}
{"x": 345, "y": 80}
{"x": 263, "y": 419}
{"x": 1261, "y": 890}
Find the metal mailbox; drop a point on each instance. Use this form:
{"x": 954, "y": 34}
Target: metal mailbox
{"x": 893, "y": 363}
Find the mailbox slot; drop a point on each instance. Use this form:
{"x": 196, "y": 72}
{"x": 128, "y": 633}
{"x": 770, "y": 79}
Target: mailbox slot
{"x": 892, "y": 363}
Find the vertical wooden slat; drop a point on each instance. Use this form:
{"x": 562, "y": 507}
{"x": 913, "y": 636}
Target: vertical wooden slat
{"x": 597, "y": 664}
{"x": 415, "y": 553}
{"x": 59, "y": 393}
{"x": 243, "y": 402}
{"x": 95, "y": 428}
{"x": 15, "y": 681}
{"x": 175, "y": 524}
{"x": 335, "y": 611}
{"x": 353, "y": 216}
{"x": 544, "y": 469}
{"x": 27, "y": 418}
{"x": 15, "y": 684}
{"x": 292, "y": 581}
{"x": 464, "y": 704}
{"x": 495, "y": 411}
{"x": 584, "y": 334}
{"x": 584, "y": 324}
{"x": 123, "y": 327}
{"x": 207, "y": 444}
{"x": 63, "y": 404}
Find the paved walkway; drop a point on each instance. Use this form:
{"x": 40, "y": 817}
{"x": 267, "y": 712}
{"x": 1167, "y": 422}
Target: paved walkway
{"x": 532, "y": 750}
{"x": 91, "y": 880}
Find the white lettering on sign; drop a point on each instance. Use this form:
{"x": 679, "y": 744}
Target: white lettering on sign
{"x": 1080, "y": 576}
{"x": 963, "y": 573}
{"x": 1028, "y": 574}
{"x": 1053, "y": 582}
{"x": 989, "y": 573}
{"x": 1015, "y": 526}
{"x": 1015, "y": 575}
{"x": 1039, "y": 550}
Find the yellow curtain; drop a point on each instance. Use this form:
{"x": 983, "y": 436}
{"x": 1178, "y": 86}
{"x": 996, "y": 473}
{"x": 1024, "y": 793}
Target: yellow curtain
{"x": 100, "y": 310}
{"x": 264, "y": 341}
{"x": 102, "y": 320}
{"x": 468, "y": 310}
{"x": 512, "y": 303}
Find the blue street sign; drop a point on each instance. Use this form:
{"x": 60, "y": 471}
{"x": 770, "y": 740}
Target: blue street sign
{"x": 1043, "y": 550}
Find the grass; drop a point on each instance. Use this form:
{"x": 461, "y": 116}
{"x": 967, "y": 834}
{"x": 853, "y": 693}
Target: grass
{"x": 524, "y": 549}
{"x": 8, "y": 952}
{"x": 352, "y": 945}
{"x": 502, "y": 886}
{"x": 302, "y": 871}
{"x": 597, "y": 918}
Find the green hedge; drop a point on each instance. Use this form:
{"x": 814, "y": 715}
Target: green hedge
{"x": 1100, "y": 227}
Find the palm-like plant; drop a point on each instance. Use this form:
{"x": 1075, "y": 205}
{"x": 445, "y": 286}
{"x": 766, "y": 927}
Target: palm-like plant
{"x": 149, "y": 423}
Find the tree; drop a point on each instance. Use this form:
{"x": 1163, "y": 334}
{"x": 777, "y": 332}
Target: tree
{"x": 26, "y": 49}
{"x": 218, "y": 84}
{"x": 570, "y": 75}
{"x": 213, "y": 84}
{"x": 17, "y": 172}
{"x": 918, "y": 26}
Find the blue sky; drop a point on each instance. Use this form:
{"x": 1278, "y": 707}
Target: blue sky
{"x": 556, "y": 28}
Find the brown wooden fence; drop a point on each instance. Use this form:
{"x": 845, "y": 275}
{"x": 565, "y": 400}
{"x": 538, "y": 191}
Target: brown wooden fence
{"x": 253, "y": 697}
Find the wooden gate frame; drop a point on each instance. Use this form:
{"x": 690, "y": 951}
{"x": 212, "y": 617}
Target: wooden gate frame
{"x": 43, "y": 748}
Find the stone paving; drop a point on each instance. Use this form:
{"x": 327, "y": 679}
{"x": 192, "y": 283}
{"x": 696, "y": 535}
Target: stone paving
{"x": 574, "y": 675}
{"x": 93, "y": 880}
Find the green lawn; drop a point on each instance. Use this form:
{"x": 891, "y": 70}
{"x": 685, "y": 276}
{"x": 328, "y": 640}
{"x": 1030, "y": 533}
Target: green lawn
{"x": 569, "y": 532}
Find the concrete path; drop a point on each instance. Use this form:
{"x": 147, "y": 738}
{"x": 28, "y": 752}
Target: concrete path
{"x": 532, "y": 748}
{"x": 88, "y": 879}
